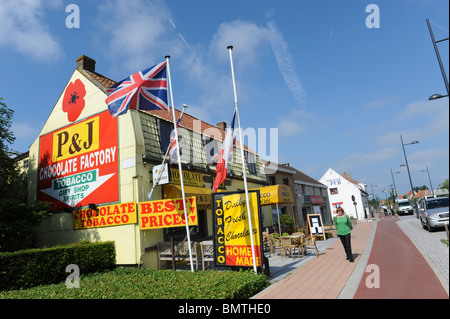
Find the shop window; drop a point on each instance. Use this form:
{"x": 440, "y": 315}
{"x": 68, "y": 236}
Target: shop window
{"x": 197, "y": 233}
{"x": 333, "y": 191}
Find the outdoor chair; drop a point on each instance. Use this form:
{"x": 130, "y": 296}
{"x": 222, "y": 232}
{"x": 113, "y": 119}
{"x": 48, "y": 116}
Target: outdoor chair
{"x": 287, "y": 245}
{"x": 310, "y": 242}
{"x": 267, "y": 243}
{"x": 275, "y": 242}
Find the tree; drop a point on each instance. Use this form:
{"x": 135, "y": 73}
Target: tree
{"x": 17, "y": 219}
{"x": 444, "y": 184}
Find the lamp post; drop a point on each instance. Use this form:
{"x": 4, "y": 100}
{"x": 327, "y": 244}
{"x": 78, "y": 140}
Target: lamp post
{"x": 431, "y": 185}
{"x": 438, "y": 96}
{"x": 395, "y": 187}
{"x": 409, "y": 174}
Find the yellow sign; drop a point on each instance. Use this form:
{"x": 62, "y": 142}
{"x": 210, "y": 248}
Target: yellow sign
{"x": 189, "y": 178}
{"x": 203, "y": 195}
{"x": 274, "y": 194}
{"x": 111, "y": 215}
{"x": 232, "y": 230}
{"x": 76, "y": 139}
{"x": 167, "y": 213}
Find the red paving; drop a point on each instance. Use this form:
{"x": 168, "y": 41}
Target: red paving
{"x": 323, "y": 277}
{"x": 403, "y": 271}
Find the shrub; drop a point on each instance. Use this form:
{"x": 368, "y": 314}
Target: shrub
{"x": 124, "y": 283}
{"x": 28, "y": 268}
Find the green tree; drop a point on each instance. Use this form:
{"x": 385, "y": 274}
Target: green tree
{"x": 17, "y": 219}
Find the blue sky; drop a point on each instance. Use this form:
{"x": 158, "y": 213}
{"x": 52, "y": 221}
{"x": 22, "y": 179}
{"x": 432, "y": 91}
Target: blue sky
{"x": 340, "y": 93}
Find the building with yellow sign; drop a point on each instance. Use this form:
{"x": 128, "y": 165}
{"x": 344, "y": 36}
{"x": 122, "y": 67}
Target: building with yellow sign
{"x": 97, "y": 172}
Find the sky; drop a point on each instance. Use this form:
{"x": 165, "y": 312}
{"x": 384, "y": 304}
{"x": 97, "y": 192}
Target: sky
{"x": 323, "y": 83}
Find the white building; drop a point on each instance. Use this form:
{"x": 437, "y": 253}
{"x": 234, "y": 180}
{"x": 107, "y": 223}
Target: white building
{"x": 344, "y": 191}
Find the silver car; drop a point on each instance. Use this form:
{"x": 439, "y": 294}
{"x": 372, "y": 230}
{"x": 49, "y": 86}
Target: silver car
{"x": 433, "y": 212}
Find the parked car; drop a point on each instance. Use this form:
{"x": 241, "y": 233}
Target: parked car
{"x": 433, "y": 212}
{"x": 404, "y": 207}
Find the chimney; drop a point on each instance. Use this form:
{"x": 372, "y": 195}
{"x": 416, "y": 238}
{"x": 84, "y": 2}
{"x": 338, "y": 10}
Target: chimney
{"x": 86, "y": 63}
{"x": 222, "y": 125}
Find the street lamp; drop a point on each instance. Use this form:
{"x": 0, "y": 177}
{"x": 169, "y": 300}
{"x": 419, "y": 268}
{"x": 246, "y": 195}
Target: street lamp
{"x": 438, "y": 96}
{"x": 409, "y": 174}
{"x": 432, "y": 190}
{"x": 395, "y": 187}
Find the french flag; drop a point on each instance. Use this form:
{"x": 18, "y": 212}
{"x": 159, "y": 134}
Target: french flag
{"x": 225, "y": 155}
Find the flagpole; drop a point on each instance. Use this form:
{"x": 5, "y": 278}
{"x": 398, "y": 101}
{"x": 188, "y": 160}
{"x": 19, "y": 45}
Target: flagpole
{"x": 179, "y": 165}
{"x": 230, "y": 49}
{"x": 161, "y": 171}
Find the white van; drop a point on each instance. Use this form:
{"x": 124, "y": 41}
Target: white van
{"x": 404, "y": 207}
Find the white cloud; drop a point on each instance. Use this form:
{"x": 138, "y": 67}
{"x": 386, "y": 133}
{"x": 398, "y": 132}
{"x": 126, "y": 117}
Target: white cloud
{"x": 138, "y": 33}
{"x": 23, "y": 130}
{"x": 419, "y": 120}
{"x": 359, "y": 158}
{"x": 23, "y": 30}
{"x": 251, "y": 40}
{"x": 285, "y": 63}
{"x": 247, "y": 38}
{"x": 295, "y": 123}
{"x": 420, "y": 159}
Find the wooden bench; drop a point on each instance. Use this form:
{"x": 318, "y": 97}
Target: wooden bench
{"x": 206, "y": 252}
{"x": 181, "y": 252}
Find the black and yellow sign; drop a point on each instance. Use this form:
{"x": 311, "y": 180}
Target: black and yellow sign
{"x": 189, "y": 178}
{"x": 232, "y": 231}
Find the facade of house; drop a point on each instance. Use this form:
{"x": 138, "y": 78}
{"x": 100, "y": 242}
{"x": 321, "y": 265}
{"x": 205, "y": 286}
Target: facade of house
{"x": 97, "y": 171}
{"x": 311, "y": 198}
{"x": 348, "y": 193}
{"x": 282, "y": 174}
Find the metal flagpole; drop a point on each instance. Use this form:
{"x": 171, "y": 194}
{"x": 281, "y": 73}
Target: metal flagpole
{"x": 179, "y": 166}
{"x": 230, "y": 49}
{"x": 161, "y": 171}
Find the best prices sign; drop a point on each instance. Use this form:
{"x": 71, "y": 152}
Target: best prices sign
{"x": 167, "y": 213}
{"x": 78, "y": 164}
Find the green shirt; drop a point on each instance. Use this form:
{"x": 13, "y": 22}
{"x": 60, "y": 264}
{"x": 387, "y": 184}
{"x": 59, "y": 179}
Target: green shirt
{"x": 343, "y": 225}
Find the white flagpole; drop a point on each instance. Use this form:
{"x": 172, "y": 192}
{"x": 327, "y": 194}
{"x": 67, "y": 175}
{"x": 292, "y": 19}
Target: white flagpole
{"x": 230, "y": 49}
{"x": 179, "y": 166}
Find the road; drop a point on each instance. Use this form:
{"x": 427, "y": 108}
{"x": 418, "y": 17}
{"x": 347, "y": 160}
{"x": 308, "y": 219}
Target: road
{"x": 399, "y": 267}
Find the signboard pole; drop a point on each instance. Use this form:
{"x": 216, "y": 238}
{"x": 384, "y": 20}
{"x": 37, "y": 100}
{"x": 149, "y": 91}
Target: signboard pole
{"x": 179, "y": 166}
{"x": 230, "y": 49}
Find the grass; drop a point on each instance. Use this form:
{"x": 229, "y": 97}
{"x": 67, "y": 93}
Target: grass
{"x": 129, "y": 283}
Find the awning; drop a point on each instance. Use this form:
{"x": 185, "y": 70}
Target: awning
{"x": 276, "y": 194}
{"x": 203, "y": 194}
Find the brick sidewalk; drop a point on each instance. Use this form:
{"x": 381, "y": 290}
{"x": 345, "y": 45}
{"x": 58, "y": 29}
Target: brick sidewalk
{"x": 323, "y": 277}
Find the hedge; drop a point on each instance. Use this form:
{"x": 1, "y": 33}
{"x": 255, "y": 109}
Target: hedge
{"x": 125, "y": 283}
{"x": 28, "y": 268}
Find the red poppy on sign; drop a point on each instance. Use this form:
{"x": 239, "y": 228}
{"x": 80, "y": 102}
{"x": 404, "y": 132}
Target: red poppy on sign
{"x": 73, "y": 101}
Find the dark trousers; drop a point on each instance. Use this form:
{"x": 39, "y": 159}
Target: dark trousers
{"x": 347, "y": 245}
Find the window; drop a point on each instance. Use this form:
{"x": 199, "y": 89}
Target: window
{"x": 251, "y": 163}
{"x": 199, "y": 232}
{"x": 164, "y": 128}
{"x": 272, "y": 180}
{"x": 210, "y": 147}
{"x": 285, "y": 181}
{"x": 333, "y": 191}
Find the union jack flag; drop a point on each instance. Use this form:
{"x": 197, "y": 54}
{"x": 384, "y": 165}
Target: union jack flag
{"x": 143, "y": 90}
